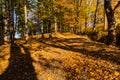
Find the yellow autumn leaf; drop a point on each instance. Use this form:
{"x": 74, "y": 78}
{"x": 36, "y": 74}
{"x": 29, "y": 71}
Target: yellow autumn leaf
{"x": 77, "y": 69}
{"x": 116, "y": 73}
{"x": 49, "y": 78}
{"x": 105, "y": 77}
{"x": 99, "y": 70}
{"x": 91, "y": 73}
{"x": 92, "y": 79}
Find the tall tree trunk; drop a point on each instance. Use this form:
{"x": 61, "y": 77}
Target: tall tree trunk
{"x": 5, "y": 21}
{"x": 55, "y": 19}
{"x": 26, "y": 27}
{"x": 42, "y": 28}
{"x": 80, "y": 27}
{"x": 111, "y": 22}
{"x": 81, "y": 2}
{"x": 5, "y": 30}
{"x": 1, "y": 19}
{"x": 39, "y": 4}
{"x": 11, "y": 21}
{"x": 105, "y": 21}
{"x": 1, "y": 23}
{"x": 95, "y": 16}
{"x": 49, "y": 28}
{"x": 85, "y": 24}
{"x": 76, "y": 4}
{"x": 56, "y": 26}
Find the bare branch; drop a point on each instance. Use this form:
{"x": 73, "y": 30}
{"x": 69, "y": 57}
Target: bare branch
{"x": 118, "y": 4}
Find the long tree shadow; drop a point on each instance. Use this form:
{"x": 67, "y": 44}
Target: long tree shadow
{"x": 20, "y": 65}
{"x": 111, "y": 56}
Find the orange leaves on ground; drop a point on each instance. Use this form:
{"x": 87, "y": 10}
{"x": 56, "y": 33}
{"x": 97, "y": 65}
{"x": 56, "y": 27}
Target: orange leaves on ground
{"x": 70, "y": 57}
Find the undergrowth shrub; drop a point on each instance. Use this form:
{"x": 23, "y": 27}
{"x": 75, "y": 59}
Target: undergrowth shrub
{"x": 92, "y": 35}
{"x": 102, "y": 36}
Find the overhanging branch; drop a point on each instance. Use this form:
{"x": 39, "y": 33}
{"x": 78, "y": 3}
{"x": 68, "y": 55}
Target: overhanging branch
{"x": 118, "y": 4}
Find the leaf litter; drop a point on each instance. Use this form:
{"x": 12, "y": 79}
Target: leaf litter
{"x": 65, "y": 57}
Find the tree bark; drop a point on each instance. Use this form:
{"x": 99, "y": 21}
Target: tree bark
{"x": 76, "y": 4}
{"x": 1, "y": 20}
{"x": 111, "y": 22}
{"x": 5, "y": 22}
{"x": 95, "y": 16}
{"x": 26, "y": 27}
{"x": 49, "y": 28}
{"x": 105, "y": 21}
{"x": 56, "y": 26}
{"x": 1, "y": 24}
{"x": 42, "y": 28}
{"x": 85, "y": 24}
{"x": 11, "y": 20}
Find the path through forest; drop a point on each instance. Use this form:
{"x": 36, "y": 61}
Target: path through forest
{"x": 64, "y": 57}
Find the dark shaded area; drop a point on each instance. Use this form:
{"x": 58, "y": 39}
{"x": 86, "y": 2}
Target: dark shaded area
{"x": 112, "y": 56}
{"x": 49, "y": 63}
{"x": 20, "y": 65}
{"x": 118, "y": 35}
{"x": 102, "y": 36}
{"x": 118, "y": 40}
{"x": 1, "y": 40}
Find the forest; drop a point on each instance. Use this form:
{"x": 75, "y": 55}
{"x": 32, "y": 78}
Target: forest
{"x": 59, "y": 39}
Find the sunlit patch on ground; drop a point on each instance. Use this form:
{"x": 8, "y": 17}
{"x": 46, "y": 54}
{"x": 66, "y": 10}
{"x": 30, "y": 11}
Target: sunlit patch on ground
{"x": 65, "y": 57}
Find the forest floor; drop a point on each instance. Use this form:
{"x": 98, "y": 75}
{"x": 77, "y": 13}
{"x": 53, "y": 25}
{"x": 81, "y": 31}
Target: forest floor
{"x": 64, "y": 57}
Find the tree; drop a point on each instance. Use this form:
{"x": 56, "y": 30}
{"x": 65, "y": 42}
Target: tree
{"x": 95, "y": 15}
{"x": 11, "y": 20}
{"x": 87, "y": 12}
{"x": 105, "y": 21}
{"x": 26, "y": 27}
{"x": 111, "y": 20}
{"x": 1, "y": 19}
{"x": 5, "y": 21}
